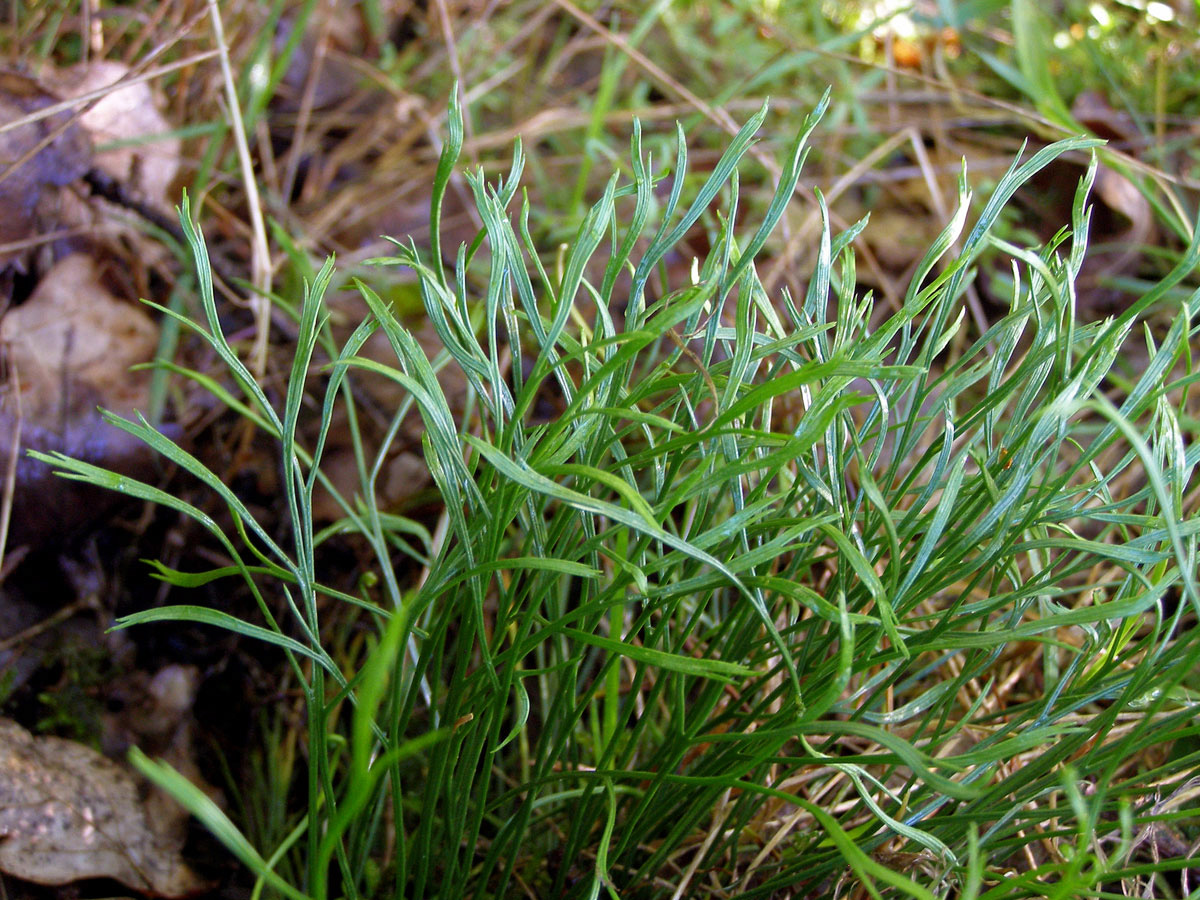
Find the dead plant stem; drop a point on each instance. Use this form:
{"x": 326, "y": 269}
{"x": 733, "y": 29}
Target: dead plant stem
{"x": 260, "y": 253}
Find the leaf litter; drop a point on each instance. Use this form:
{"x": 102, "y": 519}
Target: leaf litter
{"x": 37, "y": 157}
{"x": 69, "y": 813}
{"x": 67, "y": 349}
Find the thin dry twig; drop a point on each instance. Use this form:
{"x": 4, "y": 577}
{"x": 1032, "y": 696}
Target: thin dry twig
{"x": 61, "y": 615}
{"x": 455, "y": 64}
{"x": 92, "y": 96}
{"x": 304, "y": 113}
{"x": 260, "y": 252}
{"x": 724, "y": 808}
{"x": 10, "y": 470}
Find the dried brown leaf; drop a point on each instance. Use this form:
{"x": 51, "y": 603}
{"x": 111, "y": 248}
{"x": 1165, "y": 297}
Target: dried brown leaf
{"x": 68, "y": 813}
{"x": 35, "y": 158}
{"x": 146, "y": 157}
{"x": 71, "y": 345}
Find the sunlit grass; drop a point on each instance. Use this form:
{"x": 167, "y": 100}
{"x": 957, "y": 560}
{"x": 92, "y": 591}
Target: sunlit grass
{"x": 783, "y": 600}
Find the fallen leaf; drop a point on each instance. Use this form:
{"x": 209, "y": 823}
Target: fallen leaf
{"x": 68, "y": 813}
{"x": 133, "y": 140}
{"x": 36, "y": 158}
{"x": 72, "y": 344}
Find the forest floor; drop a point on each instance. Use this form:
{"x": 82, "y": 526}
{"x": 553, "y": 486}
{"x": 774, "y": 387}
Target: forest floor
{"x": 302, "y": 131}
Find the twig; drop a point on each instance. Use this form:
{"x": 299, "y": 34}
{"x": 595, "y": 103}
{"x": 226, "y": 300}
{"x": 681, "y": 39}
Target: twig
{"x": 260, "y": 253}
{"x": 10, "y": 471}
